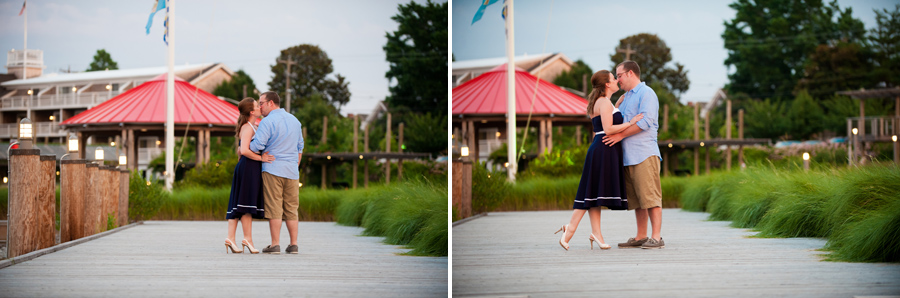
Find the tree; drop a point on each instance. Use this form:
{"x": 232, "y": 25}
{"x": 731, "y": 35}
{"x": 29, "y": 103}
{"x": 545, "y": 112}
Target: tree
{"x": 769, "y": 42}
{"x": 885, "y": 40}
{"x": 805, "y": 116}
{"x": 309, "y": 76}
{"x": 420, "y": 130}
{"x": 840, "y": 67}
{"x": 417, "y": 54}
{"x": 103, "y": 61}
{"x": 766, "y": 119}
{"x": 574, "y": 78}
{"x": 234, "y": 88}
{"x": 652, "y": 54}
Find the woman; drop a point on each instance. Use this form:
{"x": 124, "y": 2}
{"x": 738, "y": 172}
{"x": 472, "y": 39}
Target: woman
{"x": 246, "y": 200}
{"x": 601, "y": 180}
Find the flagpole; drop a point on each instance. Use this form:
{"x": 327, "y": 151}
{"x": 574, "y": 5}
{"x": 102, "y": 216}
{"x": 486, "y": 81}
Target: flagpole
{"x": 25, "y": 46}
{"x": 170, "y": 97}
{"x": 511, "y": 93}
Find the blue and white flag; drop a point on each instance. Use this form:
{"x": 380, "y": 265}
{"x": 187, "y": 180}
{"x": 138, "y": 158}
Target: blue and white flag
{"x": 157, "y": 6}
{"x": 480, "y": 11}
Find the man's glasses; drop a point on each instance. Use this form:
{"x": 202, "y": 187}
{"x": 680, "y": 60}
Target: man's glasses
{"x": 619, "y": 75}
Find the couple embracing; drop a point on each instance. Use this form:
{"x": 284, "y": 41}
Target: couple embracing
{"x": 266, "y": 178}
{"x": 621, "y": 170}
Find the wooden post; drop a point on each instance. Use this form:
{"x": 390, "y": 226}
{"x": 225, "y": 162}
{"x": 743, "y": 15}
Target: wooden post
{"x": 862, "y": 127}
{"x": 741, "y": 137}
{"x": 462, "y": 187}
{"x": 584, "y": 84}
{"x": 665, "y": 126}
{"x": 706, "y": 138}
{"x": 473, "y": 142}
{"x": 400, "y": 149}
{"x": 325, "y": 164}
{"x": 578, "y": 135}
{"x": 131, "y": 149}
{"x": 665, "y": 162}
{"x": 542, "y": 137}
{"x": 124, "y": 176}
{"x": 387, "y": 142}
{"x": 850, "y": 142}
{"x": 355, "y": 147}
{"x": 114, "y": 192}
{"x": 549, "y": 135}
{"x": 728, "y": 134}
{"x": 696, "y": 138}
{"x": 71, "y": 201}
{"x": 92, "y": 204}
{"x": 366, "y": 161}
{"x": 24, "y": 192}
{"x": 46, "y": 203}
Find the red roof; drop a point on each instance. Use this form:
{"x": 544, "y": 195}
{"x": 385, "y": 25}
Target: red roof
{"x": 486, "y": 94}
{"x": 146, "y": 103}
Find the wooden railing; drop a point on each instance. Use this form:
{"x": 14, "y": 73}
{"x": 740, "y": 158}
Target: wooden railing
{"x": 71, "y": 100}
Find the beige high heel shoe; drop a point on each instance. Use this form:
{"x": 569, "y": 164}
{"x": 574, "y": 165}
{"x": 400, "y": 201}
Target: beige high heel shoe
{"x": 249, "y": 246}
{"x": 230, "y": 245}
{"x": 600, "y": 244}
{"x": 562, "y": 240}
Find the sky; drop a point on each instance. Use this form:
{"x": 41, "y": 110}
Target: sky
{"x": 591, "y": 29}
{"x": 236, "y": 33}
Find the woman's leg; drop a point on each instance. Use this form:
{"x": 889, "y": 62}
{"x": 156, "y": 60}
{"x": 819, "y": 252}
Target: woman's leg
{"x": 247, "y": 227}
{"x": 232, "y": 226}
{"x": 577, "y": 214}
{"x": 594, "y": 214}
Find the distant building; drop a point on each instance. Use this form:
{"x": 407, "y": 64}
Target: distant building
{"x": 552, "y": 66}
{"x": 48, "y": 99}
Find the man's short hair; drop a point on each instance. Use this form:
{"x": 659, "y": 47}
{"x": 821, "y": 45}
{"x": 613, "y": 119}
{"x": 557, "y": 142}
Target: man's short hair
{"x": 632, "y": 66}
{"x": 272, "y": 96}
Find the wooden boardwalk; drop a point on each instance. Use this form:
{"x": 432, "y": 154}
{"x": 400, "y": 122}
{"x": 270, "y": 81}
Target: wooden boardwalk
{"x": 513, "y": 254}
{"x": 187, "y": 259}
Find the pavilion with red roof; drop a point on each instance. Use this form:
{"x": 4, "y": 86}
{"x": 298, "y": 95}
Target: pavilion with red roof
{"x": 479, "y": 106}
{"x": 141, "y": 111}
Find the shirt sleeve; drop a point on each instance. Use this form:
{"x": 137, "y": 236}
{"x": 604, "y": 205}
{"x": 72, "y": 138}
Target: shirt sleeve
{"x": 649, "y": 106}
{"x": 300, "y": 142}
{"x": 263, "y": 132}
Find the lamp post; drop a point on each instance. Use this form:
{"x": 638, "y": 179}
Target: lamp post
{"x": 98, "y": 155}
{"x": 896, "y": 149}
{"x": 806, "y": 161}
{"x": 26, "y": 134}
{"x": 853, "y": 145}
{"x": 464, "y": 151}
{"x": 123, "y": 161}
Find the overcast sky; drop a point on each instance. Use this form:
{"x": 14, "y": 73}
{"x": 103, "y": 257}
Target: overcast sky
{"x": 244, "y": 35}
{"x": 591, "y": 29}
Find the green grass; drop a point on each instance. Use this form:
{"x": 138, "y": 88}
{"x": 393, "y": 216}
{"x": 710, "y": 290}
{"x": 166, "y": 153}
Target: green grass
{"x": 413, "y": 214}
{"x": 856, "y": 209}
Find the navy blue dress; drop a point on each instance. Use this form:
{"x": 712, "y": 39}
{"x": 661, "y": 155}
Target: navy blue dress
{"x": 246, "y": 190}
{"x": 602, "y": 180}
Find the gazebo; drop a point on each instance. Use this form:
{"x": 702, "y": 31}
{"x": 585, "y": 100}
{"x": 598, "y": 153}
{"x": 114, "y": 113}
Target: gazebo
{"x": 141, "y": 111}
{"x": 479, "y": 108}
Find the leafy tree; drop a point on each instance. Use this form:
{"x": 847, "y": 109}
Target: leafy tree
{"x": 805, "y": 116}
{"x": 310, "y": 75}
{"x": 315, "y": 108}
{"x": 102, "y": 61}
{"x": 420, "y": 131}
{"x": 769, "y": 42}
{"x": 885, "y": 40}
{"x": 574, "y": 77}
{"x": 234, "y": 88}
{"x": 766, "y": 119}
{"x": 652, "y": 54}
{"x": 840, "y": 67}
{"x": 417, "y": 54}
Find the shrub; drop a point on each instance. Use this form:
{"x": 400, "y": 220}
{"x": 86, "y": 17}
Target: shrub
{"x": 214, "y": 174}
{"x": 488, "y": 188}
{"x": 144, "y": 199}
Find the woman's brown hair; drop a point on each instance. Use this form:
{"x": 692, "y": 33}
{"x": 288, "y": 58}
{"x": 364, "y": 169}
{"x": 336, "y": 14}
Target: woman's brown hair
{"x": 244, "y": 107}
{"x": 598, "y": 82}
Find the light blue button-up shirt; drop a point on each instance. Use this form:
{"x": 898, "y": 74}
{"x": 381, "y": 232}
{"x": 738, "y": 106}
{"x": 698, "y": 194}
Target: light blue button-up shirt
{"x": 280, "y": 135}
{"x": 642, "y": 145}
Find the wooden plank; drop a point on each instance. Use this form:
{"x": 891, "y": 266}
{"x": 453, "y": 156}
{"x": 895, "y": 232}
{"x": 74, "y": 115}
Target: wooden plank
{"x": 186, "y": 259}
{"x": 516, "y": 253}
{"x": 24, "y": 185}
{"x": 124, "y": 176}
{"x": 46, "y": 203}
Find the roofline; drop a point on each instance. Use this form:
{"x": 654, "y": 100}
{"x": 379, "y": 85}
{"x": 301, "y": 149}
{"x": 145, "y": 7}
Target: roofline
{"x": 83, "y": 77}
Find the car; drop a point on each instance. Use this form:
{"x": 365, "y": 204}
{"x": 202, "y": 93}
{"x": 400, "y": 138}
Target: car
{"x": 811, "y": 142}
{"x": 837, "y": 140}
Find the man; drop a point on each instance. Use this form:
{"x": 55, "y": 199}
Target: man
{"x": 279, "y": 134}
{"x": 641, "y": 155}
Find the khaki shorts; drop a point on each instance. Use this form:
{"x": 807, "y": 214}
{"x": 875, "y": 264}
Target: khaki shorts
{"x": 281, "y": 197}
{"x": 642, "y": 186}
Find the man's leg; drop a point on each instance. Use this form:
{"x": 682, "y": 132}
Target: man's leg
{"x": 291, "y": 197}
{"x": 275, "y": 230}
{"x": 641, "y": 216}
{"x": 272, "y": 189}
{"x": 655, "y": 221}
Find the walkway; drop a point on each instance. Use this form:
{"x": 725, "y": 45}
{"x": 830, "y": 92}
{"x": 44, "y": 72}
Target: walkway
{"x": 187, "y": 259}
{"x": 515, "y": 254}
